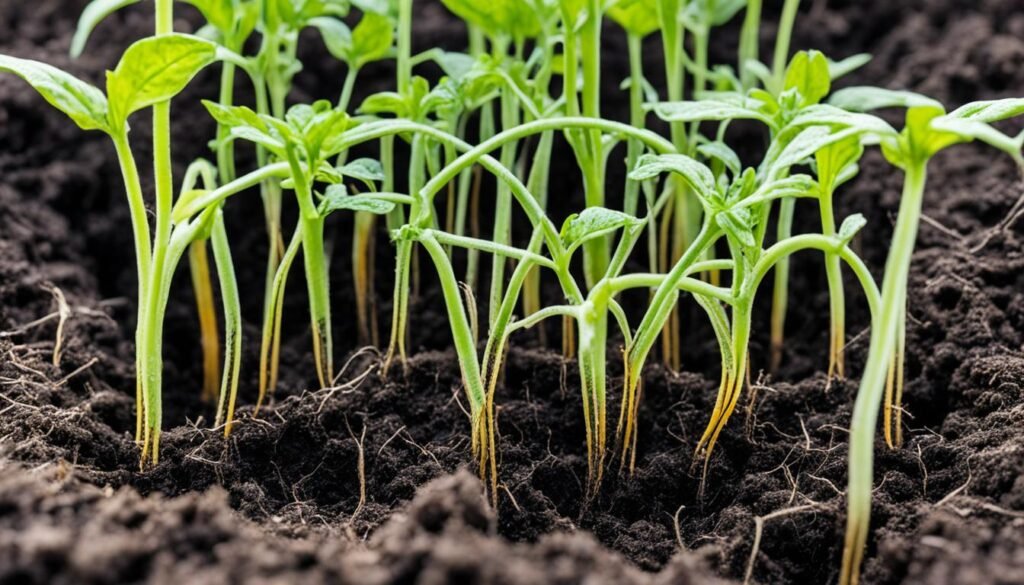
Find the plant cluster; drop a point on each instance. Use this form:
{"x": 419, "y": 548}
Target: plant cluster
{"x": 698, "y": 218}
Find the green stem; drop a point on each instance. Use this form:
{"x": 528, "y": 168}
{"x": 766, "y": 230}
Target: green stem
{"x": 232, "y": 323}
{"x": 503, "y": 205}
{"x": 836, "y": 294}
{"x": 143, "y": 257}
{"x": 884, "y": 329}
{"x": 782, "y": 41}
{"x": 750, "y": 41}
{"x": 152, "y": 360}
{"x": 664, "y": 300}
{"x": 346, "y": 90}
{"x": 404, "y": 68}
{"x": 460, "y": 327}
{"x": 780, "y": 297}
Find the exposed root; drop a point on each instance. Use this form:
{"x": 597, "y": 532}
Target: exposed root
{"x": 759, "y": 531}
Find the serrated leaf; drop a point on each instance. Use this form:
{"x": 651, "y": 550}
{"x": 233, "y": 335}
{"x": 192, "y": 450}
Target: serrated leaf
{"x": 851, "y": 225}
{"x": 698, "y": 176}
{"x": 364, "y": 169}
{"x": 154, "y": 70}
{"x": 91, "y": 17}
{"x": 866, "y": 99}
{"x": 83, "y": 103}
{"x": 337, "y": 198}
{"x": 808, "y": 74}
{"x": 593, "y": 222}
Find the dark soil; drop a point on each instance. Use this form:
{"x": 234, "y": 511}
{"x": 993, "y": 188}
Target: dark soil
{"x": 279, "y": 502}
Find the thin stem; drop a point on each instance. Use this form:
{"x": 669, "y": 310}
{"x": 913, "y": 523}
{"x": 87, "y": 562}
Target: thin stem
{"x": 782, "y": 41}
{"x": 883, "y": 344}
{"x": 750, "y": 41}
{"x": 780, "y": 296}
{"x": 232, "y": 323}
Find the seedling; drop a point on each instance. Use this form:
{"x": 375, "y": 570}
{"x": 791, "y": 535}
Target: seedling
{"x": 927, "y": 131}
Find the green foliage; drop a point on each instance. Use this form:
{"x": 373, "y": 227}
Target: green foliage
{"x": 154, "y": 70}
{"x": 83, "y": 103}
{"x": 93, "y": 14}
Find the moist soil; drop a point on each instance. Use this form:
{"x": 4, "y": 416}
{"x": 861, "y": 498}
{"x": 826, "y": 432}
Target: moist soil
{"x": 373, "y": 482}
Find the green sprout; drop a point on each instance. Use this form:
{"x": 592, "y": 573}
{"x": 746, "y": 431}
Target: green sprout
{"x": 927, "y": 131}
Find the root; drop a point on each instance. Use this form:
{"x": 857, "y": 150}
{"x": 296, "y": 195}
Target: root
{"x": 759, "y": 531}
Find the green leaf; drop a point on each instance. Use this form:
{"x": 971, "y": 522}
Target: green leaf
{"x": 219, "y": 13}
{"x": 837, "y": 69}
{"x": 865, "y": 99}
{"x": 720, "y": 151}
{"x": 337, "y": 198}
{"x": 364, "y": 169}
{"x": 82, "y": 102}
{"x": 515, "y": 18}
{"x": 808, "y": 74}
{"x": 180, "y": 213}
{"x": 707, "y": 110}
{"x": 455, "y": 65}
{"x": 851, "y": 225}
{"x": 835, "y": 160}
{"x": 698, "y": 176}
{"x": 787, "y": 188}
{"x": 636, "y": 17}
{"x": 990, "y": 111}
{"x": 337, "y": 37}
{"x": 804, "y": 146}
{"x": 385, "y": 102}
{"x": 969, "y": 129}
{"x": 830, "y": 115}
{"x": 593, "y": 222}
{"x": 94, "y": 13}
{"x": 154, "y": 70}
{"x": 737, "y": 225}
{"x": 372, "y": 39}
{"x": 724, "y": 10}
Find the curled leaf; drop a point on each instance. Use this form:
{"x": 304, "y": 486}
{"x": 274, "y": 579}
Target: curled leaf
{"x": 850, "y": 226}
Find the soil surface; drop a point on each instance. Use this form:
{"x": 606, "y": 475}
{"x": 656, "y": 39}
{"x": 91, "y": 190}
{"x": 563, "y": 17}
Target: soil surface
{"x": 280, "y": 501}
